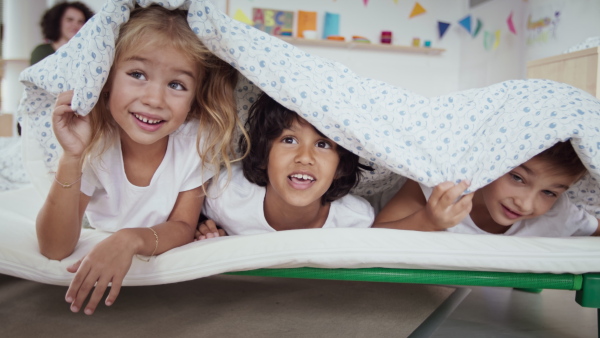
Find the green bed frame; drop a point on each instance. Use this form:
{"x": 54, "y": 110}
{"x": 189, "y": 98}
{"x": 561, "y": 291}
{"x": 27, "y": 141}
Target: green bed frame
{"x": 586, "y": 286}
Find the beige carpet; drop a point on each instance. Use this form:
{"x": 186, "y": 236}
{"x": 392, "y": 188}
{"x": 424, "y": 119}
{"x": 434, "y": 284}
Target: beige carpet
{"x": 225, "y": 306}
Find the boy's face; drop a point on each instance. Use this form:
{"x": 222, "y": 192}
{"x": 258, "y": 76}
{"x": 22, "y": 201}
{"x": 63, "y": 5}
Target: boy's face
{"x": 528, "y": 191}
{"x": 302, "y": 165}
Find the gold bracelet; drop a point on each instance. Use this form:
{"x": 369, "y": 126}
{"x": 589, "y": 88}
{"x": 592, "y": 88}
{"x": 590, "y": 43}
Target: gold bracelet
{"x": 66, "y": 185}
{"x": 155, "y": 247}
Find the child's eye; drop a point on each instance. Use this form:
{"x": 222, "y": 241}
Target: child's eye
{"x": 176, "y": 86}
{"x": 549, "y": 193}
{"x": 323, "y": 144}
{"x": 137, "y": 75}
{"x": 288, "y": 139}
{"x": 516, "y": 178}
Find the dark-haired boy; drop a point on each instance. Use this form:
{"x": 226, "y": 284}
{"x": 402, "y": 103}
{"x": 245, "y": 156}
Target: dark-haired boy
{"x": 293, "y": 177}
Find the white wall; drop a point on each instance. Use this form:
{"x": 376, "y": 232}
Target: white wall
{"x": 578, "y": 20}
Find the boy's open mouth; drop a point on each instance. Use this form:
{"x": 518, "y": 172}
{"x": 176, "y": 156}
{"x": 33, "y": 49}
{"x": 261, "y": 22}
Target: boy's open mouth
{"x": 145, "y": 119}
{"x": 301, "y": 178}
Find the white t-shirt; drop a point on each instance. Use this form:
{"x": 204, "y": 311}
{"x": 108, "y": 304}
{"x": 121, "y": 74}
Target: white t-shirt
{"x": 116, "y": 203}
{"x": 239, "y": 210}
{"x": 564, "y": 219}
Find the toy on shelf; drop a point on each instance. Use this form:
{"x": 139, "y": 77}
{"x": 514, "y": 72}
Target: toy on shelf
{"x": 361, "y": 39}
{"x": 386, "y": 37}
{"x": 336, "y": 38}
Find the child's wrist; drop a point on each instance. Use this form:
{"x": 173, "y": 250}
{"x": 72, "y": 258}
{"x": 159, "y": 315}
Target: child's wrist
{"x": 71, "y": 159}
{"x": 133, "y": 238}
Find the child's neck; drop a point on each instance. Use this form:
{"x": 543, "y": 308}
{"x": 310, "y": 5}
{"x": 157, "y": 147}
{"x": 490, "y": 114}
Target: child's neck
{"x": 482, "y": 218}
{"x": 282, "y": 216}
{"x": 140, "y": 161}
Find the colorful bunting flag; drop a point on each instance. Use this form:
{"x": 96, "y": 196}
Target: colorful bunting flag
{"x": 466, "y": 23}
{"x": 511, "y": 25}
{"x": 497, "y": 41}
{"x": 491, "y": 40}
{"x": 478, "y": 27}
{"x": 417, "y": 10}
{"x": 442, "y": 28}
{"x": 241, "y": 17}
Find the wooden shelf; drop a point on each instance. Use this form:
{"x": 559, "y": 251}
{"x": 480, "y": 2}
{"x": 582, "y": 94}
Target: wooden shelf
{"x": 362, "y": 45}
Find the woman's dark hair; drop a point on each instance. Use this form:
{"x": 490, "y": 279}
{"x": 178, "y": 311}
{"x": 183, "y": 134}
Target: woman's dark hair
{"x": 51, "y": 19}
{"x": 266, "y": 121}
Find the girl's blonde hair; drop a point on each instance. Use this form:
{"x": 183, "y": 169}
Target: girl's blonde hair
{"x": 214, "y": 104}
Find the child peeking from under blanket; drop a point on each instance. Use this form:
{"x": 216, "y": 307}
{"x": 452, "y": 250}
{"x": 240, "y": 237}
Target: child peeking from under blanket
{"x": 529, "y": 200}
{"x": 138, "y": 163}
{"x": 294, "y": 177}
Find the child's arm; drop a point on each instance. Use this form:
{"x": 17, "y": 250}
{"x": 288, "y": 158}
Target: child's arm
{"x": 208, "y": 229}
{"x": 597, "y": 232}
{"x": 409, "y": 210}
{"x": 58, "y": 223}
{"x": 109, "y": 261}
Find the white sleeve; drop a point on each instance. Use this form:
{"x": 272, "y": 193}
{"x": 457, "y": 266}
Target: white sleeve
{"x": 89, "y": 180}
{"x": 580, "y": 222}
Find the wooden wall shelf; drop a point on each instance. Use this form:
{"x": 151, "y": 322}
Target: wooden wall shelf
{"x": 361, "y": 45}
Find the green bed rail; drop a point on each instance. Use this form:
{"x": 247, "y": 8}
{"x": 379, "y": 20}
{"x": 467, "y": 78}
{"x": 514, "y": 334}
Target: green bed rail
{"x": 416, "y": 276}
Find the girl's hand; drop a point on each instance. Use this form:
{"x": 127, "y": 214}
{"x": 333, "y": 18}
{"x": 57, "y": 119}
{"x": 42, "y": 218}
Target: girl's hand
{"x": 73, "y": 132}
{"x": 208, "y": 229}
{"x": 108, "y": 262}
{"x": 445, "y": 209}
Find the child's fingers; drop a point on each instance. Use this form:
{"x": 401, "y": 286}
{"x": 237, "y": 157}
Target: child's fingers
{"x": 64, "y": 98}
{"x": 74, "y": 267}
{"x": 451, "y": 195}
{"x": 96, "y": 296}
{"x": 212, "y": 226}
{"x": 76, "y": 282}
{"x": 115, "y": 289}
{"x": 222, "y": 232}
{"x": 464, "y": 205}
{"x": 80, "y": 288}
{"x": 439, "y": 190}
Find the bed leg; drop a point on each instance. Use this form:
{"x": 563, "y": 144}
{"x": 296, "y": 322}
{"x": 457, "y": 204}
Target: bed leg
{"x": 589, "y": 294}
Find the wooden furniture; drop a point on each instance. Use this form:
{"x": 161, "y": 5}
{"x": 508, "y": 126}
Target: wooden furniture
{"x": 580, "y": 69}
{"x": 6, "y": 123}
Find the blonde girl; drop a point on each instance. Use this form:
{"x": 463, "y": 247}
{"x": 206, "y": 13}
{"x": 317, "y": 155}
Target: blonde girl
{"x": 132, "y": 164}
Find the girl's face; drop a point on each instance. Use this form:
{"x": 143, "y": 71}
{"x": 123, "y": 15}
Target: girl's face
{"x": 71, "y": 22}
{"x": 302, "y": 165}
{"x": 151, "y": 93}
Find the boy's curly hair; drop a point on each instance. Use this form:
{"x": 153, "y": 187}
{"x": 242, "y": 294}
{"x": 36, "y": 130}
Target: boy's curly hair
{"x": 266, "y": 121}
{"x": 51, "y": 19}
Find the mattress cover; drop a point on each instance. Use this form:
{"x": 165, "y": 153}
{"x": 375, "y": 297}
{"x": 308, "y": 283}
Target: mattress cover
{"x": 323, "y": 248}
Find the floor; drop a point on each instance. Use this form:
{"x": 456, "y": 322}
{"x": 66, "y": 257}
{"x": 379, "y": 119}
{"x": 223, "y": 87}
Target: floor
{"x": 503, "y": 313}
{"x": 242, "y": 306}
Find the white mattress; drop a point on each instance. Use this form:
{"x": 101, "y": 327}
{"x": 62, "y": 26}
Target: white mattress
{"x": 327, "y": 248}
